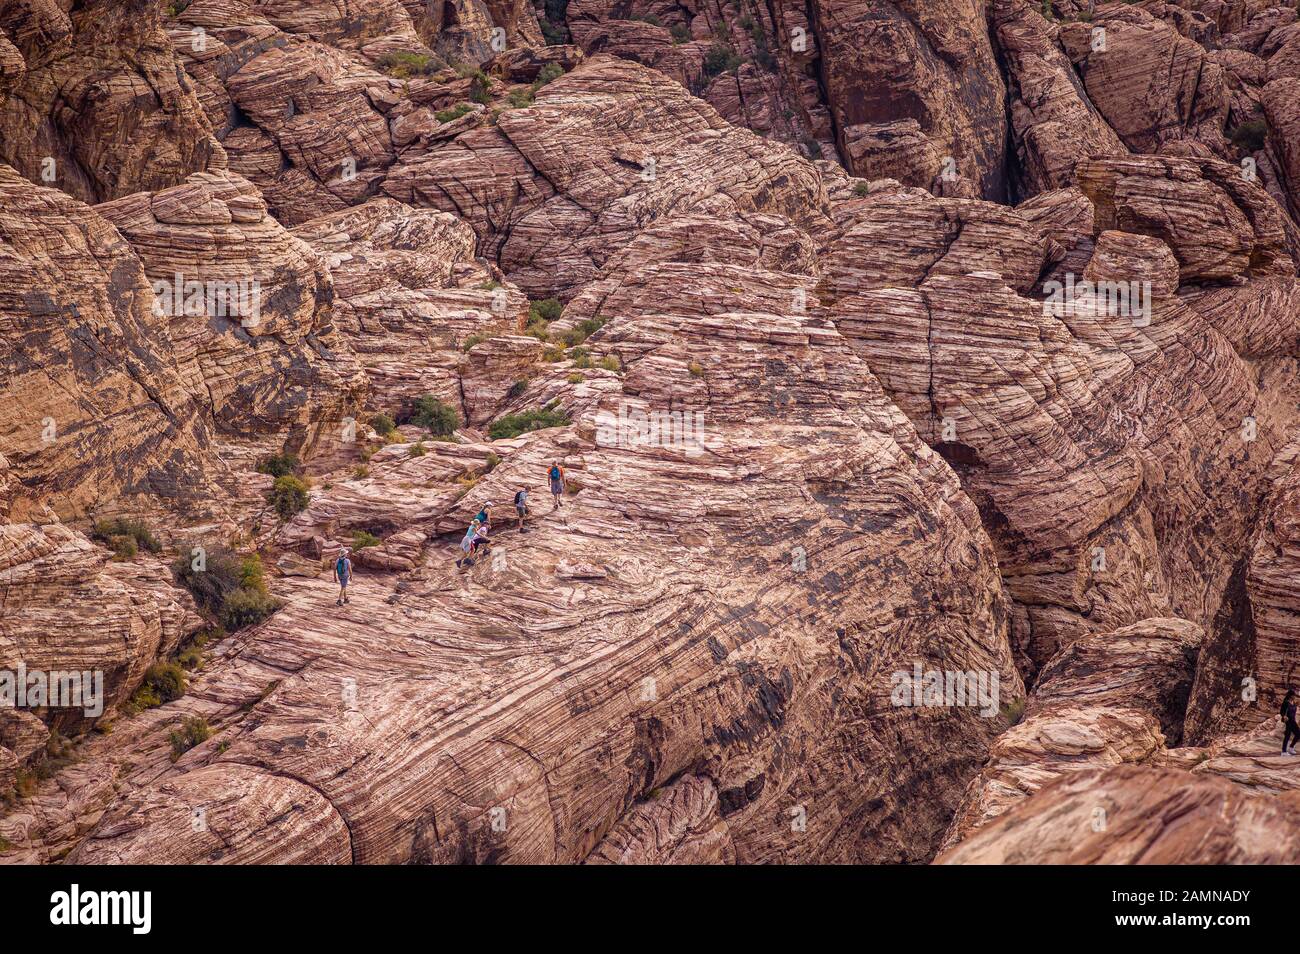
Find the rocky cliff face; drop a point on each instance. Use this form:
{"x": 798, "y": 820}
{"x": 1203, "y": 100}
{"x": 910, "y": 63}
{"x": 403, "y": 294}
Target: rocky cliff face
{"x": 925, "y": 380}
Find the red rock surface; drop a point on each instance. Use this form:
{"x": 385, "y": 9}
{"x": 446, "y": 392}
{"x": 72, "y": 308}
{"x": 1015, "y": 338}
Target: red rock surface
{"x": 871, "y": 334}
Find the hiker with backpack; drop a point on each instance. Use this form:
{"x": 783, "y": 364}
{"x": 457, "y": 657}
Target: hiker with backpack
{"x": 556, "y": 477}
{"x": 342, "y": 575}
{"x": 521, "y": 507}
{"x": 1290, "y": 731}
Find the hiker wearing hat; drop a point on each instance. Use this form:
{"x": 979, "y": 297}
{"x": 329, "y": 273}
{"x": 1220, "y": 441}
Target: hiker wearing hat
{"x": 343, "y": 574}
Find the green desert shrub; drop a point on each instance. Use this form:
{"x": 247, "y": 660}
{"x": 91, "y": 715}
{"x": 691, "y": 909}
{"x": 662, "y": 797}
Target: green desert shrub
{"x": 278, "y": 465}
{"x": 289, "y": 495}
{"x": 453, "y": 113}
{"x": 583, "y": 330}
{"x": 548, "y": 74}
{"x": 228, "y": 587}
{"x": 194, "y": 730}
{"x": 406, "y": 65}
{"x": 383, "y": 424}
{"x": 512, "y": 425}
{"x": 1250, "y": 135}
{"x": 435, "y": 416}
{"x": 125, "y": 536}
{"x": 720, "y": 58}
{"x": 364, "y": 538}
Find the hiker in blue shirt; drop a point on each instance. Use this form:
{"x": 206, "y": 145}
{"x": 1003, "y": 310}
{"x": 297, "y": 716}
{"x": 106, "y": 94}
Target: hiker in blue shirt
{"x": 343, "y": 575}
{"x": 521, "y": 507}
{"x": 556, "y": 477}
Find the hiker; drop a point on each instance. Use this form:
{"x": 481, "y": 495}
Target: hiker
{"x": 483, "y": 514}
{"x": 556, "y": 475}
{"x": 1291, "y": 731}
{"x": 480, "y": 541}
{"x": 521, "y": 507}
{"x": 343, "y": 574}
{"x": 467, "y": 543}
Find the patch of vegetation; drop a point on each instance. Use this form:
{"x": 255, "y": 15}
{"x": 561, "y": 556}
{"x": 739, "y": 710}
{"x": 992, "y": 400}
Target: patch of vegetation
{"x": 192, "y": 656}
{"x": 477, "y": 338}
{"x": 548, "y": 74}
{"x": 553, "y": 354}
{"x": 583, "y": 330}
{"x": 125, "y": 537}
{"x": 1250, "y": 135}
{"x": 480, "y": 87}
{"x": 360, "y": 472}
{"x": 552, "y": 34}
{"x": 813, "y": 146}
{"x": 417, "y": 450}
{"x": 611, "y": 363}
{"x": 696, "y": 369}
{"x": 520, "y": 98}
{"x": 278, "y": 465}
{"x": 517, "y": 389}
{"x": 680, "y": 32}
{"x": 383, "y": 424}
{"x": 194, "y": 730}
{"x": 540, "y": 315}
{"x": 229, "y": 587}
{"x": 861, "y": 189}
{"x": 364, "y": 538}
{"x": 435, "y": 416}
{"x": 1013, "y": 711}
{"x": 576, "y": 378}
{"x": 289, "y": 496}
{"x": 163, "y": 682}
{"x": 721, "y": 58}
{"x": 406, "y": 65}
{"x": 649, "y": 18}
{"x": 492, "y": 463}
{"x": 453, "y": 113}
{"x": 512, "y": 425}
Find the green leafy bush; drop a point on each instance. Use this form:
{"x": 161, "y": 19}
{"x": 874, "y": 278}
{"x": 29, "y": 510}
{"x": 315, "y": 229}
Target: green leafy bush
{"x": 548, "y": 74}
{"x": 453, "y": 113}
{"x": 680, "y": 32}
{"x": 721, "y": 58}
{"x": 194, "y": 730}
{"x": 364, "y": 538}
{"x": 278, "y": 465}
{"x": 435, "y": 416}
{"x": 1250, "y": 135}
{"x": 125, "y": 536}
{"x": 583, "y": 330}
{"x": 245, "y": 607}
{"x": 289, "y": 495}
{"x": 227, "y": 586}
{"x": 512, "y": 425}
{"x": 406, "y": 65}
{"x": 383, "y": 424}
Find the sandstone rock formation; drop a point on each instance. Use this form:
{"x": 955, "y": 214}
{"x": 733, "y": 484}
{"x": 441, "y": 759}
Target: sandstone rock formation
{"x": 886, "y": 345}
